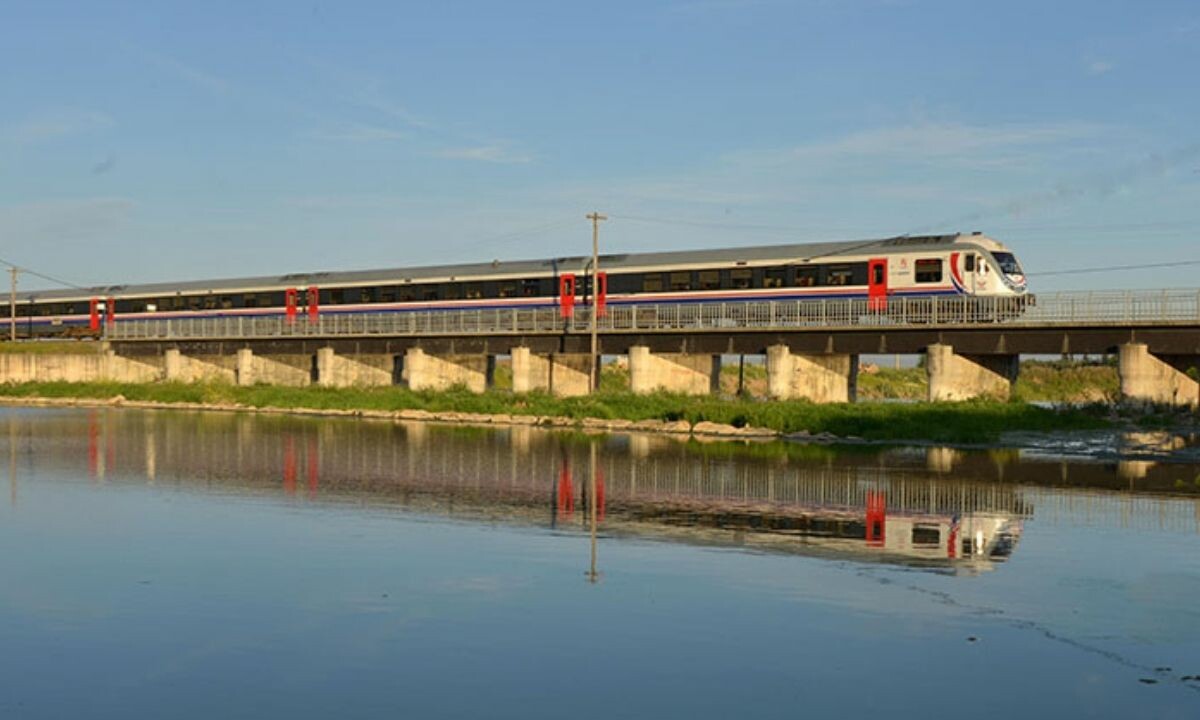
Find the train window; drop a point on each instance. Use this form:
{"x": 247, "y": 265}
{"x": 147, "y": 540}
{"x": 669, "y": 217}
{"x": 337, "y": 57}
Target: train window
{"x": 742, "y": 278}
{"x": 226, "y": 302}
{"x": 406, "y": 293}
{"x": 775, "y": 277}
{"x": 530, "y": 288}
{"x": 507, "y": 289}
{"x": 681, "y": 281}
{"x": 709, "y": 279}
{"x": 877, "y": 271}
{"x": 387, "y": 294}
{"x": 474, "y": 291}
{"x": 839, "y": 275}
{"x": 210, "y": 303}
{"x": 969, "y": 263}
{"x": 249, "y": 300}
{"x": 429, "y": 292}
{"x": 807, "y": 276}
{"x": 652, "y": 282}
{"x": 929, "y": 270}
{"x": 926, "y": 535}
{"x": 337, "y": 296}
{"x": 366, "y": 295}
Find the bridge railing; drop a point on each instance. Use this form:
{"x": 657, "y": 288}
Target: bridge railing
{"x": 1100, "y": 308}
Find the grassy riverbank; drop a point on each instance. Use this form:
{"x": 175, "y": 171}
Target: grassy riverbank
{"x": 942, "y": 422}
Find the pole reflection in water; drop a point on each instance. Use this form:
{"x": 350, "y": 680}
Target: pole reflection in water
{"x": 593, "y": 499}
{"x": 952, "y": 510}
{"x": 12, "y": 463}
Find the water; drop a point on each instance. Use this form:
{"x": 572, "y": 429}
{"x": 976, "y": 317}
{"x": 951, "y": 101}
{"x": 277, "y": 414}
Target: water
{"x": 159, "y": 564}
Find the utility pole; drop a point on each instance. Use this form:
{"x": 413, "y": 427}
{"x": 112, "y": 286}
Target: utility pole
{"x": 12, "y": 304}
{"x": 595, "y": 217}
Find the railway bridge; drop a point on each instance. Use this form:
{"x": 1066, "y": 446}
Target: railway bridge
{"x": 811, "y": 347}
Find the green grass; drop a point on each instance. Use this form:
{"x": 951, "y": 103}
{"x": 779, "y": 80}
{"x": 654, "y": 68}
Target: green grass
{"x": 893, "y": 384}
{"x": 1067, "y": 381}
{"x": 1060, "y": 381}
{"x": 976, "y": 421}
{"x": 47, "y": 347}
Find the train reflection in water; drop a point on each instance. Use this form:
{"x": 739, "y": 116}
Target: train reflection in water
{"x": 814, "y": 503}
{"x": 934, "y": 508}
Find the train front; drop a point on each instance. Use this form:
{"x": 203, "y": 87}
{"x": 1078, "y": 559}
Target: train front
{"x": 1008, "y": 277}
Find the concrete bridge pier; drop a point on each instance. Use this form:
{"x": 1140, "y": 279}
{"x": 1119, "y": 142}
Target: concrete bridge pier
{"x": 820, "y": 378}
{"x": 1158, "y": 379}
{"x": 954, "y": 376}
{"x": 335, "y": 370}
{"x": 289, "y": 370}
{"x": 563, "y": 375}
{"x": 178, "y": 367}
{"x": 244, "y": 370}
{"x": 423, "y": 371}
{"x": 673, "y": 372}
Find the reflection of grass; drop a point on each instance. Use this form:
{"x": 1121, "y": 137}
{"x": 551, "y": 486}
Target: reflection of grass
{"x": 948, "y": 422}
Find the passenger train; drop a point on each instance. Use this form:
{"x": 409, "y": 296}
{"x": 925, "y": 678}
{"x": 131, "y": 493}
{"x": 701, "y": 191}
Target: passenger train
{"x": 879, "y": 270}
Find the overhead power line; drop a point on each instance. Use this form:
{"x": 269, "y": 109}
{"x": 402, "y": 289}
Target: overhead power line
{"x": 1115, "y": 268}
{"x": 42, "y": 275}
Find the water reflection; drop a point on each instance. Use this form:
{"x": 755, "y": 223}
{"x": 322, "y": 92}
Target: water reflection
{"x": 933, "y": 508}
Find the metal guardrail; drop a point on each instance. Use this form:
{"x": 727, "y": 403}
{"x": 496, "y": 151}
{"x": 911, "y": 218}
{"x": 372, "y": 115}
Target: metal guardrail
{"x": 1075, "y": 309}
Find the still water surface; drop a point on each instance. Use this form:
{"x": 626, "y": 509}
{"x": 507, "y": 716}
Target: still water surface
{"x": 158, "y": 564}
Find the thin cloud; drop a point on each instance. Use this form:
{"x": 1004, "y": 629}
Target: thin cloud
{"x": 193, "y": 75}
{"x": 1100, "y": 67}
{"x": 361, "y": 133}
{"x": 485, "y": 153}
{"x": 945, "y": 139}
{"x": 52, "y": 126}
{"x": 43, "y": 223}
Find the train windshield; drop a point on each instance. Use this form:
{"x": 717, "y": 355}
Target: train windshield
{"x": 1008, "y": 264}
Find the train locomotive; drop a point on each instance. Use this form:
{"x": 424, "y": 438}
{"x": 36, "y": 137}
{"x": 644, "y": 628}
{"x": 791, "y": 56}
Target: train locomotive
{"x": 880, "y": 271}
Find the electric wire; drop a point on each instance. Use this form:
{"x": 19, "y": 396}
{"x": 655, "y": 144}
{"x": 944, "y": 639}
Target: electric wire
{"x": 1117, "y": 268}
{"x": 42, "y": 275}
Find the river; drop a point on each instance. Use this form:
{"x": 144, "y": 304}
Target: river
{"x": 204, "y": 565}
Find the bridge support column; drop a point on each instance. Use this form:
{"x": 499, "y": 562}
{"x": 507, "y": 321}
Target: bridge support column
{"x": 335, "y": 370}
{"x": 178, "y": 367}
{"x": 673, "y": 372}
{"x": 819, "y": 378}
{"x": 244, "y": 371}
{"x": 563, "y": 375}
{"x": 1158, "y": 379}
{"x": 173, "y": 365}
{"x": 962, "y": 377}
{"x": 423, "y": 371}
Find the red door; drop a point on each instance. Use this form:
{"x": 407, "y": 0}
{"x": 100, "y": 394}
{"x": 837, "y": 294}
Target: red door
{"x": 566, "y": 295}
{"x": 289, "y": 298}
{"x": 877, "y": 287}
{"x": 313, "y": 295}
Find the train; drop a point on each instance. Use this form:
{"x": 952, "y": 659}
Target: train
{"x": 880, "y": 271}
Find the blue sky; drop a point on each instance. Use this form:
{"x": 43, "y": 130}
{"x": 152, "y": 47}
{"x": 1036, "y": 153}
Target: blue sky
{"x": 154, "y": 141}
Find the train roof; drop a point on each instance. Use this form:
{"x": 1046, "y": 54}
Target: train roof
{"x": 795, "y": 252}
